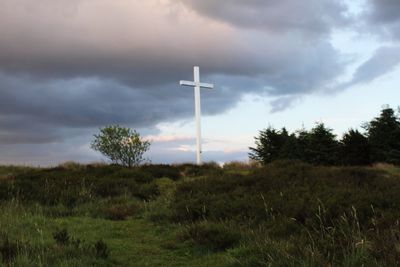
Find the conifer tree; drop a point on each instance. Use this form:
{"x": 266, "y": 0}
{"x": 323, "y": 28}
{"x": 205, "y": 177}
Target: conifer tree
{"x": 269, "y": 145}
{"x": 383, "y": 135}
{"x": 322, "y": 147}
{"x": 354, "y": 149}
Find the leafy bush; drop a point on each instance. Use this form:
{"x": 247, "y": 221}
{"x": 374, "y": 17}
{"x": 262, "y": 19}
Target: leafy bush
{"x": 121, "y": 145}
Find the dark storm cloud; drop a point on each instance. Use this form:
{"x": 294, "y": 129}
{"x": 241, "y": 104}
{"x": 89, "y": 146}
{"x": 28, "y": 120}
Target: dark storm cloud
{"x": 36, "y": 112}
{"x": 69, "y": 67}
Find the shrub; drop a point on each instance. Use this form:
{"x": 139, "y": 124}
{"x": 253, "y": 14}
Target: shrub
{"x": 60, "y": 186}
{"x": 212, "y": 236}
{"x": 292, "y": 190}
{"x": 314, "y": 216}
{"x": 51, "y": 187}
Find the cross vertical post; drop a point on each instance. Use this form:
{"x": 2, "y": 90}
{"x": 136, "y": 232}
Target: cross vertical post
{"x": 196, "y": 73}
{"x": 197, "y": 85}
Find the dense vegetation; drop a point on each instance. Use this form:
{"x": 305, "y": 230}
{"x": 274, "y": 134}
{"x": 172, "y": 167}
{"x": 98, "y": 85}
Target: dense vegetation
{"x": 287, "y": 213}
{"x": 379, "y": 143}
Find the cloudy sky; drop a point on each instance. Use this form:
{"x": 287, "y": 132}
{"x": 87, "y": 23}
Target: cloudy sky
{"x": 68, "y": 67}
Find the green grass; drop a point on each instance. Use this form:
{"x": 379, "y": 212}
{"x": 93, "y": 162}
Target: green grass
{"x": 286, "y": 214}
{"x": 132, "y": 242}
{"x": 135, "y": 241}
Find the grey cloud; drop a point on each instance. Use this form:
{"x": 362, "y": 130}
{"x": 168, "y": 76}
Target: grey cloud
{"x": 382, "y": 16}
{"x": 48, "y": 154}
{"x": 39, "y": 112}
{"x": 315, "y": 17}
{"x": 26, "y": 137}
{"x": 384, "y": 60}
{"x": 69, "y": 67}
{"x": 144, "y": 55}
{"x": 282, "y": 103}
{"x": 384, "y": 11}
{"x": 310, "y": 69}
{"x": 130, "y": 41}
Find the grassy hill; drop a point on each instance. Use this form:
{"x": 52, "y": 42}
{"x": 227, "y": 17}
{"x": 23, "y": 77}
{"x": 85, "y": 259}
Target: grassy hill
{"x": 284, "y": 214}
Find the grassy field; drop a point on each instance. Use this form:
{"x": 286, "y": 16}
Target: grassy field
{"x": 284, "y": 214}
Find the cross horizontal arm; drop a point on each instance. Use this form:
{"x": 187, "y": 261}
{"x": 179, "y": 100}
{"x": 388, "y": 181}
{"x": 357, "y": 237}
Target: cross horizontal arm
{"x": 206, "y": 85}
{"x": 193, "y": 84}
{"x": 187, "y": 83}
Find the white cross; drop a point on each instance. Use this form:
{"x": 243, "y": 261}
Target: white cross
{"x": 197, "y": 85}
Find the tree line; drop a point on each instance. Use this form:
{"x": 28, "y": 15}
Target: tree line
{"x": 378, "y": 142}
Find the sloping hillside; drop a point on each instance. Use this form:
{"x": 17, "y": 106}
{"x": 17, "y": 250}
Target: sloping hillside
{"x": 285, "y": 214}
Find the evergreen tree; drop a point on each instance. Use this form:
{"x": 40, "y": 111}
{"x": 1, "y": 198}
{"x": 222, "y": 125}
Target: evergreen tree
{"x": 302, "y": 141}
{"x": 291, "y": 148}
{"x": 319, "y": 146}
{"x": 269, "y": 145}
{"x": 383, "y": 135}
{"x": 322, "y": 147}
{"x": 354, "y": 149}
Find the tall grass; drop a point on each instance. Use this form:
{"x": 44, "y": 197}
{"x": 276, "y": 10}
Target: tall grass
{"x": 284, "y": 214}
